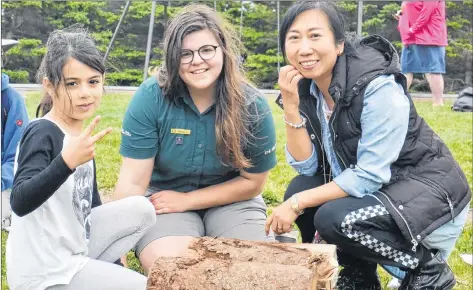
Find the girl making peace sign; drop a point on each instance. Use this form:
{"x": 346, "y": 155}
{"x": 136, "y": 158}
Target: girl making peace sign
{"x": 61, "y": 235}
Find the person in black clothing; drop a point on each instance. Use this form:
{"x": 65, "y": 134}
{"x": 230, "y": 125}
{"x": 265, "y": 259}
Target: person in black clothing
{"x": 374, "y": 179}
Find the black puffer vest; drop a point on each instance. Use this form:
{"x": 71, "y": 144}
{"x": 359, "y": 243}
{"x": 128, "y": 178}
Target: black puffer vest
{"x": 427, "y": 187}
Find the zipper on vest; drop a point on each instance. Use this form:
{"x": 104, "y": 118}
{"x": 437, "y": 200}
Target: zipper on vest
{"x": 335, "y": 138}
{"x": 315, "y": 133}
{"x": 451, "y": 208}
{"x": 439, "y": 188}
{"x": 413, "y": 240}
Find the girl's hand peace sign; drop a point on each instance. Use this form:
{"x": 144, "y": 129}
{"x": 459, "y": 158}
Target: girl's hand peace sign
{"x": 81, "y": 149}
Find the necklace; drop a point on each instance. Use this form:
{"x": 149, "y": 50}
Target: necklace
{"x": 328, "y": 114}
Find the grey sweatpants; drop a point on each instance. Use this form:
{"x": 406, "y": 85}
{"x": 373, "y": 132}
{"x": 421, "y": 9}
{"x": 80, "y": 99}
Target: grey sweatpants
{"x": 116, "y": 227}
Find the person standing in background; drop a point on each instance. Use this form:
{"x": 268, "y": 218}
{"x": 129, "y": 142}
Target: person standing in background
{"x": 423, "y": 29}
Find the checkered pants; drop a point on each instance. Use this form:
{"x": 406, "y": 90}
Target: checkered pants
{"x": 362, "y": 229}
{"x": 350, "y": 229}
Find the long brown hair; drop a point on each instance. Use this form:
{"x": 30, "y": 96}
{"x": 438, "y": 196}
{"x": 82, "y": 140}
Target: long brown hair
{"x": 233, "y": 116}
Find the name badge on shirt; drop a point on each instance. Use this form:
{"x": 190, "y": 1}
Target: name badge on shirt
{"x": 180, "y": 131}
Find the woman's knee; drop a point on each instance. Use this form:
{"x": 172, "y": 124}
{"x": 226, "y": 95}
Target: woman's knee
{"x": 327, "y": 221}
{"x": 301, "y": 183}
{"x": 171, "y": 246}
{"x": 242, "y": 220}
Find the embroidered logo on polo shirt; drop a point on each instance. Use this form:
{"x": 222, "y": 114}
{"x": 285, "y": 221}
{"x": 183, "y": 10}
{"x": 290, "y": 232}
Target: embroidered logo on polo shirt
{"x": 180, "y": 131}
{"x": 19, "y": 122}
{"x": 266, "y": 152}
{"x": 126, "y": 133}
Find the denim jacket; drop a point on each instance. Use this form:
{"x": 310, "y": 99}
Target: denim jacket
{"x": 384, "y": 132}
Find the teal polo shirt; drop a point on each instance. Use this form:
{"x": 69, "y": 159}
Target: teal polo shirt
{"x": 183, "y": 140}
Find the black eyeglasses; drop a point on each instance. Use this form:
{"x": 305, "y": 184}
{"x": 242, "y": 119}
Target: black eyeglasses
{"x": 206, "y": 52}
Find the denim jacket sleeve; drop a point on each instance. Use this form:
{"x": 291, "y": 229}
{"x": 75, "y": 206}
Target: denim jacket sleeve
{"x": 384, "y": 123}
{"x": 306, "y": 167}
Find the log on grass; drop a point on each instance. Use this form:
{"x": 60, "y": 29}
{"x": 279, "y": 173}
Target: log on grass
{"x": 230, "y": 264}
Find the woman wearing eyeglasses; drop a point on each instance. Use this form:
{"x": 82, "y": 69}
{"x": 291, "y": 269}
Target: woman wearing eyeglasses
{"x": 198, "y": 140}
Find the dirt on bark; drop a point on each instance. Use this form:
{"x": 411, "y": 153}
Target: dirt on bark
{"x": 226, "y": 264}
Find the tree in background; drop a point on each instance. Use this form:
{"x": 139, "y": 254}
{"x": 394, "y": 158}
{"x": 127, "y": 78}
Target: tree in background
{"x": 460, "y": 41}
{"x": 32, "y": 21}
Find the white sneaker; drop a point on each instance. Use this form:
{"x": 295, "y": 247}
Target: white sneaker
{"x": 6, "y": 222}
{"x": 394, "y": 284}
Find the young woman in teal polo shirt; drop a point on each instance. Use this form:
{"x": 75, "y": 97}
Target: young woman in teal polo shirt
{"x": 198, "y": 140}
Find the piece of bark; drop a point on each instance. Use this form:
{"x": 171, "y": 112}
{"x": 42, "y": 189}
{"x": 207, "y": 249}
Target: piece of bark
{"x": 229, "y": 264}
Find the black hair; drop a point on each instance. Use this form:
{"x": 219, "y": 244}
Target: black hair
{"x": 335, "y": 19}
{"x": 63, "y": 44}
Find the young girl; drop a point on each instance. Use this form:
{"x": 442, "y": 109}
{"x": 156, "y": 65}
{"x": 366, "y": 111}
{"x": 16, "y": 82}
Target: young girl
{"x": 199, "y": 140}
{"x": 61, "y": 236}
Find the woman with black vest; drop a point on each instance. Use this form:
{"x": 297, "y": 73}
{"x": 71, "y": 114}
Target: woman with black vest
{"x": 374, "y": 179}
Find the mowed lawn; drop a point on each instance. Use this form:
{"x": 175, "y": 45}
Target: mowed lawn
{"x": 456, "y": 129}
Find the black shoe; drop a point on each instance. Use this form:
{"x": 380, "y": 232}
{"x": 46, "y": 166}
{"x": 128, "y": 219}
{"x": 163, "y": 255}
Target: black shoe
{"x": 435, "y": 274}
{"x": 359, "y": 275}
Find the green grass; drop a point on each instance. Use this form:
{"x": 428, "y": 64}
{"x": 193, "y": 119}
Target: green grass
{"x": 456, "y": 129}
{"x": 4, "y": 268}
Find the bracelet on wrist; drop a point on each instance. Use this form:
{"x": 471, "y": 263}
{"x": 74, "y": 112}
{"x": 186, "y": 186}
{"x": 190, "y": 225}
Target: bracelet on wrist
{"x": 302, "y": 124}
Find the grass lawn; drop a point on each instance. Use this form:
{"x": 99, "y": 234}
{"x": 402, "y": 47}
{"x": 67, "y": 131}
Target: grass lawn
{"x": 456, "y": 129}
